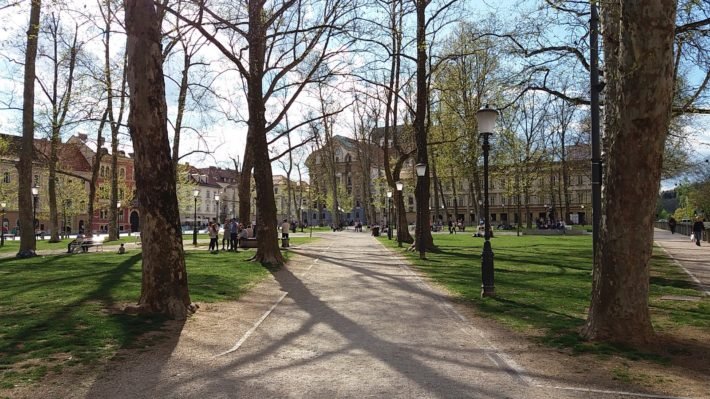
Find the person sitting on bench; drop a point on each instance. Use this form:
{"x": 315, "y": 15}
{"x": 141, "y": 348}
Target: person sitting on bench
{"x": 86, "y": 243}
{"x": 75, "y": 243}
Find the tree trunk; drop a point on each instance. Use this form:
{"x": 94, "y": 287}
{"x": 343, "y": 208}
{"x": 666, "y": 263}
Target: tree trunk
{"x": 52, "y": 186}
{"x": 268, "y": 251}
{"x": 164, "y": 286}
{"x": 245, "y": 183}
{"x": 113, "y": 203}
{"x": 424, "y": 240}
{"x": 639, "y": 36}
{"x": 24, "y": 166}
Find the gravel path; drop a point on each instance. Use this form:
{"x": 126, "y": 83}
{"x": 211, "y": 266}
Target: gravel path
{"x": 345, "y": 319}
{"x": 695, "y": 260}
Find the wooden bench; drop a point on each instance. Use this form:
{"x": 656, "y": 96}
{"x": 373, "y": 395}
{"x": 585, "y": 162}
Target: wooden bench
{"x": 79, "y": 246}
{"x": 248, "y": 243}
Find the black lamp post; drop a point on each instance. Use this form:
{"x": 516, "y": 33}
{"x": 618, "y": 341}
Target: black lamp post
{"x": 387, "y": 217}
{"x": 486, "y": 123}
{"x": 400, "y": 186}
{"x": 2, "y": 225}
{"x": 303, "y": 218}
{"x": 216, "y": 198}
{"x": 118, "y": 221}
{"x": 35, "y": 195}
{"x": 195, "y": 194}
{"x": 421, "y": 245}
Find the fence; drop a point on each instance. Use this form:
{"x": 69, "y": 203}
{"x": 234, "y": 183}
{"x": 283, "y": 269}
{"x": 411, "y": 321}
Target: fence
{"x": 683, "y": 228}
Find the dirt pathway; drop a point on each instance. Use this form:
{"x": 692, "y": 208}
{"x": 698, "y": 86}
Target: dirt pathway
{"x": 345, "y": 319}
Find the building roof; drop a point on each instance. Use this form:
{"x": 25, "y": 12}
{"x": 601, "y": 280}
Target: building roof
{"x": 69, "y": 154}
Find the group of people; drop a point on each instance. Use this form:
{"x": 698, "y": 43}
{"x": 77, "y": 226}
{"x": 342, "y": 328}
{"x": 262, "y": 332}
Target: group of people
{"x": 233, "y": 233}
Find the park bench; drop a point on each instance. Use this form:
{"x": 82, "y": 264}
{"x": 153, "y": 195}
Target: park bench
{"x": 248, "y": 243}
{"x": 76, "y": 247}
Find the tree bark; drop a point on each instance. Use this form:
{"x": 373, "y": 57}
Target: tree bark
{"x": 268, "y": 251}
{"x": 164, "y": 286}
{"x": 245, "y": 183}
{"x": 644, "y": 32}
{"x": 24, "y": 166}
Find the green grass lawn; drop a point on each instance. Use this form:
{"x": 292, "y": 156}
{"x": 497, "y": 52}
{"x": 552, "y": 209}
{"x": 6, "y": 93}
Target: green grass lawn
{"x": 61, "y": 310}
{"x": 543, "y": 285}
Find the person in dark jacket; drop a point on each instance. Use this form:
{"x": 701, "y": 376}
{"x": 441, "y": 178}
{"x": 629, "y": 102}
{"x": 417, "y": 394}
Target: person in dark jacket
{"x": 698, "y": 228}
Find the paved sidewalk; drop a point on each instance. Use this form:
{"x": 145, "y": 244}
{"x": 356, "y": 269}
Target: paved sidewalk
{"x": 695, "y": 260}
{"x": 345, "y": 319}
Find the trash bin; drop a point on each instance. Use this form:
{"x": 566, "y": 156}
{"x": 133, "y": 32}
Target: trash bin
{"x": 376, "y": 231}
{"x": 284, "y": 243}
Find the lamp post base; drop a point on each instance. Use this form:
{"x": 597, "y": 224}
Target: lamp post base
{"x": 488, "y": 291}
{"x": 488, "y": 288}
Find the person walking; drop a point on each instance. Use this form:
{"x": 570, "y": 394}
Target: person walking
{"x": 233, "y": 231}
{"x": 698, "y": 228}
{"x": 285, "y": 226}
{"x": 213, "y": 231}
{"x": 671, "y": 224}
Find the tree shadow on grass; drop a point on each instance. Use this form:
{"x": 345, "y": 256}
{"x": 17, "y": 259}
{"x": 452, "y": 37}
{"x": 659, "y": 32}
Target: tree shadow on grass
{"x": 87, "y": 326}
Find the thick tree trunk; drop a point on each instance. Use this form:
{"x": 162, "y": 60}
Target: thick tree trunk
{"x": 268, "y": 251}
{"x": 644, "y": 32}
{"x": 52, "y": 187}
{"x": 164, "y": 286}
{"x": 245, "y": 183}
{"x": 24, "y": 166}
{"x": 113, "y": 212}
{"x": 424, "y": 240}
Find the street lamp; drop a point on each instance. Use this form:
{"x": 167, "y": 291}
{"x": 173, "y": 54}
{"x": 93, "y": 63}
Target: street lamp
{"x": 303, "y": 218}
{"x": 195, "y": 194}
{"x": 421, "y": 172}
{"x": 400, "y": 186}
{"x": 583, "y": 216}
{"x": 387, "y": 217}
{"x": 216, "y": 198}
{"x": 2, "y": 225}
{"x": 486, "y": 118}
{"x": 118, "y": 220}
{"x": 35, "y": 195}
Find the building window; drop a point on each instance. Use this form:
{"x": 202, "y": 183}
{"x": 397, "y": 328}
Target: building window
{"x": 36, "y": 184}
{"x": 580, "y": 180}
{"x": 6, "y": 177}
{"x": 276, "y": 191}
{"x": 207, "y": 194}
{"x": 122, "y": 173}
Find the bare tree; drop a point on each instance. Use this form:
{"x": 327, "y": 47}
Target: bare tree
{"x": 286, "y": 44}
{"x": 62, "y": 56}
